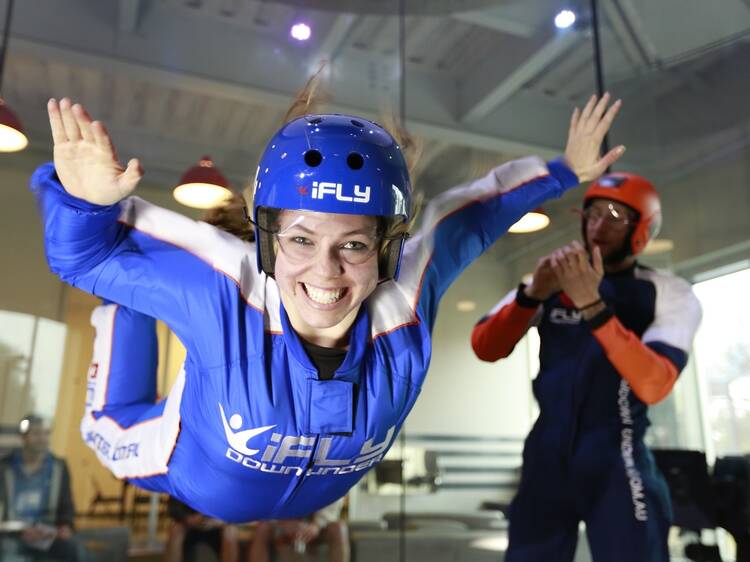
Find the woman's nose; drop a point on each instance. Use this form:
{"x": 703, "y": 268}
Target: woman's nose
{"x": 328, "y": 261}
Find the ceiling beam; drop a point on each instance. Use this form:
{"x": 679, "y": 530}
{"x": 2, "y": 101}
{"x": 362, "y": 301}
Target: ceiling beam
{"x": 634, "y": 50}
{"x": 692, "y": 158}
{"x": 493, "y": 20}
{"x": 333, "y": 43}
{"x": 637, "y": 29}
{"x": 247, "y": 93}
{"x": 432, "y": 150}
{"x": 549, "y": 51}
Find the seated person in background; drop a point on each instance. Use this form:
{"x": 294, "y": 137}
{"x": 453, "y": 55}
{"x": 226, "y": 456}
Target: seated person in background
{"x": 35, "y": 489}
{"x": 322, "y": 526}
{"x": 192, "y": 535}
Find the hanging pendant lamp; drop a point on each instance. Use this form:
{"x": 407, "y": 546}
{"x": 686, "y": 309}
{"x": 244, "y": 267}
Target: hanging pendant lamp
{"x": 203, "y": 186}
{"x": 532, "y": 221}
{"x": 12, "y": 136}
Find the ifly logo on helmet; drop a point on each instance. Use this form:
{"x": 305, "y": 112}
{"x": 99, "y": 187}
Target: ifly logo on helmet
{"x": 324, "y": 188}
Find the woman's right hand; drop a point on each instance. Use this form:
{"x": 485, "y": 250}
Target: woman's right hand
{"x": 85, "y": 159}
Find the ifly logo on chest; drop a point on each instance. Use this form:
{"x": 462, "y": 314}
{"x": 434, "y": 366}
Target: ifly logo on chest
{"x": 325, "y": 188}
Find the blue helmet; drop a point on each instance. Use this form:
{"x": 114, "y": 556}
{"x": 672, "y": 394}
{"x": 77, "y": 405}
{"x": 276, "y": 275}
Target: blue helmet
{"x": 332, "y": 164}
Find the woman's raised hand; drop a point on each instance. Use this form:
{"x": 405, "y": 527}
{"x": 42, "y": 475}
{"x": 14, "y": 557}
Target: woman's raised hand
{"x": 585, "y": 136}
{"x": 85, "y": 159}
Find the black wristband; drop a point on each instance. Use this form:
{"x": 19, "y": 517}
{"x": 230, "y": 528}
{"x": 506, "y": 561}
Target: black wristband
{"x": 591, "y": 304}
{"x": 525, "y": 301}
{"x": 601, "y": 318}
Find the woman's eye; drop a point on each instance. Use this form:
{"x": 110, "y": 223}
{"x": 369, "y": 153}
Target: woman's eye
{"x": 355, "y": 245}
{"x": 301, "y": 240}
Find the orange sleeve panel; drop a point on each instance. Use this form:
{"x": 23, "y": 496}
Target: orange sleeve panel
{"x": 496, "y": 336}
{"x": 651, "y": 376}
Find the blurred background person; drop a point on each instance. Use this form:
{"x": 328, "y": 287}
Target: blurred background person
{"x": 35, "y": 489}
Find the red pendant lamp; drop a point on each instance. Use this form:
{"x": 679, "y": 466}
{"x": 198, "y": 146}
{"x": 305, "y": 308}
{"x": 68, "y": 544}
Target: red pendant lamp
{"x": 12, "y": 137}
{"x": 531, "y": 222}
{"x": 203, "y": 186}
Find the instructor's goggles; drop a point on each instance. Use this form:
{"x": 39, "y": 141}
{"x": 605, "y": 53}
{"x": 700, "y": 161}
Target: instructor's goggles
{"x": 611, "y": 215}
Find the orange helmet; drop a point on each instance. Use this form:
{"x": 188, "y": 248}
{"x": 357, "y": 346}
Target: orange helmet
{"x": 637, "y": 193}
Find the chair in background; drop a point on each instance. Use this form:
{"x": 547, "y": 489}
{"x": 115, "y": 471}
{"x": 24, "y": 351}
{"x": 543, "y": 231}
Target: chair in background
{"x": 691, "y": 488}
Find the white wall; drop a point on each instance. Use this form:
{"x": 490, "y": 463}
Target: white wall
{"x": 463, "y": 395}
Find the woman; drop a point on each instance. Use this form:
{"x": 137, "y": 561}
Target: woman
{"x": 292, "y": 389}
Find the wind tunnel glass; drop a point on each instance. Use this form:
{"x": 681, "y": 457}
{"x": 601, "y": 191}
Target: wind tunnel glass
{"x": 612, "y": 216}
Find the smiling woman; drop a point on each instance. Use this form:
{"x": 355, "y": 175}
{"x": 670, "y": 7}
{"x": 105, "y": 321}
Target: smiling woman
{"x": 305, "y": 351}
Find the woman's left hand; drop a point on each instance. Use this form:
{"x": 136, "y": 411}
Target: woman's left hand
{"x": 585, "y": 136}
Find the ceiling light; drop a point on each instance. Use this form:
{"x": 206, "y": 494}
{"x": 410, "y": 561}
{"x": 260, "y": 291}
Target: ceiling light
{"x": 301, "y": 31}
{"x": 466, "y": 306}
{"x": 203, "y": 186}
{"x": 658, "y": 246}
{"x": 531, "y": 222}
{"x": 564, "y": 19}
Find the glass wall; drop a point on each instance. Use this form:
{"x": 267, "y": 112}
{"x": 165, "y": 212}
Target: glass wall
{"x": 31, "y": 355}
{"x": 486, "y": 82}
{"x": 723, "y": 360}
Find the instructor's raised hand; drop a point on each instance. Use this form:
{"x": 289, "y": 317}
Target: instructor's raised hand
{"x": 585, "y": 136}
{"x": 85, "y": 159}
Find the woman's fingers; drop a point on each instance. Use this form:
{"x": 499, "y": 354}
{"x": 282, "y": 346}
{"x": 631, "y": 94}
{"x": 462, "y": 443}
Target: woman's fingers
{"x": 574, "y": 117}
{"x": 599, "y": 108}
{"x": 102, "y": 138}
{"x": 588, "y": 108}
{"x": 55, "y": 122}
{"x": 606, "y": 122}
{"x": 83, "y": 120}
{"x": 130, "y": 177}
{"x": 69, "y": 121}
{"x": 608, "y": 159}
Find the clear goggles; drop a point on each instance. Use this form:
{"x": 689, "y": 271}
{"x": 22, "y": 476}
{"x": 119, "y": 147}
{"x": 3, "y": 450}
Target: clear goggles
{"x": 610, "y": 214}
{"x": 308, "y": 236}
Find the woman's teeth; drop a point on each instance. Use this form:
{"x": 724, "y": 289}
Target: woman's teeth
{"x": 324, "y": 296}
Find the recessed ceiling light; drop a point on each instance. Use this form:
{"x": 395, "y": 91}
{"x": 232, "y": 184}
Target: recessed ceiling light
{"x": 564, "y": 19}
{"x": 466, "y": 306}
{"x": 301, "y": 31}
{"x": 658, "y": 246}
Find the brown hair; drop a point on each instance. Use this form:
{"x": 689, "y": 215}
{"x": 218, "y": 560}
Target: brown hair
{"x": 231, "y": 218}
{"x": 310, "y": 98}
